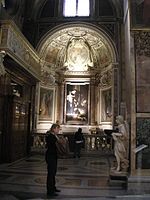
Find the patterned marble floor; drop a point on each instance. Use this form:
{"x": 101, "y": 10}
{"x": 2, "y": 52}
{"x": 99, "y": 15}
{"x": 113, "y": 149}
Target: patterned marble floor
{"x": 81, "y": 178}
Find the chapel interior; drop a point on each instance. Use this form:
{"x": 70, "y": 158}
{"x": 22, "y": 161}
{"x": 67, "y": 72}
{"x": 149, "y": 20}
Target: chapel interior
{"x": 79, "y": 63}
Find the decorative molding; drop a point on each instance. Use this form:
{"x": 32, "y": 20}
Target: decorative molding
{"x": 17, "y": 47}
{"x": 75, "y": 73}
{"x": 47, "y": 77}
{"x": 104, "y": 79}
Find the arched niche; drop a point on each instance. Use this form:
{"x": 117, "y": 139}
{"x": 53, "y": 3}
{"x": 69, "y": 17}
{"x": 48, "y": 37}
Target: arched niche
{"x": 54, "y": 50}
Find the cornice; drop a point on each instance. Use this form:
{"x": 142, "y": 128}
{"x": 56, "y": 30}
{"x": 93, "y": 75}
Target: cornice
{"x": 13, "y": 42}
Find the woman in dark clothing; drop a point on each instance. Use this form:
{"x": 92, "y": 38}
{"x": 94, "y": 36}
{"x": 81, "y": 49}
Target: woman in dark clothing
{"x": 78, "y": 142}
{"x": 51, "y": 159}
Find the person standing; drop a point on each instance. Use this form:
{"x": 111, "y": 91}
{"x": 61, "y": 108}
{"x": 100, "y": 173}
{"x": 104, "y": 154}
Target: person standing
{"x": 78, "y": 143}
{"x": 51, "y": 159}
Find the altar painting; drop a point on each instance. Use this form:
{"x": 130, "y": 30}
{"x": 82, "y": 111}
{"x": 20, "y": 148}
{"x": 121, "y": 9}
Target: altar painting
{"x": 77, "y": 104}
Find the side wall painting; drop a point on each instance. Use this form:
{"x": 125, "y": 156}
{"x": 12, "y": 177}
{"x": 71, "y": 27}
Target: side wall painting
{"x": 46, "y": 104}
{"x": 106, "y": 105}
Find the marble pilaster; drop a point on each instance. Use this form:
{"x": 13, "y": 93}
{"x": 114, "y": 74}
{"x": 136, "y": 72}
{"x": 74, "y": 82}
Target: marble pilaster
{"x": 115, "y": 77}
{"x": 62, "y": 101}
{"x": 133, "y": 109}
{"x": 92, "y": 97}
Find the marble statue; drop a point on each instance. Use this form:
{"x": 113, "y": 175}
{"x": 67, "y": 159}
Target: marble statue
{"x": 121, "y": 144}
{"x": 2, "y": 68}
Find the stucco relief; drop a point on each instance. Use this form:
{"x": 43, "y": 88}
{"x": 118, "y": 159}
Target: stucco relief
{"x": 18, "y": 47}
{"x": 15, "y": 45}
{"x": 76, "y": 46}
{"x": 104, "y": 57}
{"x": 78, "y": 55}
{"x": 47, "y": 75}
{"x": 104, "y": 79}
{"x": 52, "y": 55}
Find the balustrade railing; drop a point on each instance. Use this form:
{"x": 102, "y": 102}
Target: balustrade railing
{"x": 93, "y": 142}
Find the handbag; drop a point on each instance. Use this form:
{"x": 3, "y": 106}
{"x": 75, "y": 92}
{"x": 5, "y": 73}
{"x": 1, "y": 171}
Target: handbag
{"x": 62, "y": 146}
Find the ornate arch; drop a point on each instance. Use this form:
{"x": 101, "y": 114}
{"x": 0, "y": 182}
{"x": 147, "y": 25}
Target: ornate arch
{"x": 53, "y": 48}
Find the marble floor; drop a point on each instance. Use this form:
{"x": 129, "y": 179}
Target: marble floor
{"x": 78, "y": 178}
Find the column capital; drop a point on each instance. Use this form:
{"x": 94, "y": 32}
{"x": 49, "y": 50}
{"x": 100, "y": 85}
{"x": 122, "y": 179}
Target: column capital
{"x": 115, "y": 65}
{"x": 92, "y": 80}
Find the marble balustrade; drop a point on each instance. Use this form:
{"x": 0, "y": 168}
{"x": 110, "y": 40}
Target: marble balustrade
{"x": 93, "y": 142}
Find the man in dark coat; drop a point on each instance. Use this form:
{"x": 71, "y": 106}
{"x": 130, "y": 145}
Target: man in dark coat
{"x": 51, "y": 159}
{"x": 78, "y": 142}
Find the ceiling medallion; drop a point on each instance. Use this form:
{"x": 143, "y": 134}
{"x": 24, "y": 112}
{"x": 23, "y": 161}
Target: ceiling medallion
{"x": 78, "y": 55}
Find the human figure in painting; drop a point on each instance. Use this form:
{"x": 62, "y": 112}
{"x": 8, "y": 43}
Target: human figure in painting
{"x": 70, "y": 101}
{"x": 46, "y": 104}
{"x": 106, "y": 104}
{"x": 78, "y": 143}
{"x": 121, "y": 145}
{"x": 51, "y": 159}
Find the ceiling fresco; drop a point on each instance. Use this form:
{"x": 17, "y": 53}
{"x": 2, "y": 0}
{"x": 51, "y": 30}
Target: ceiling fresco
{"x": 76, "y": 49}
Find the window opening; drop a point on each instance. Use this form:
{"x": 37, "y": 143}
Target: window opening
{"x": 73, "y": 8}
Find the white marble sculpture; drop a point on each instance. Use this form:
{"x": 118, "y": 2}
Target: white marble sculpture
{"x": 2, "y": 68}
{"x": 121, "y": 144}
